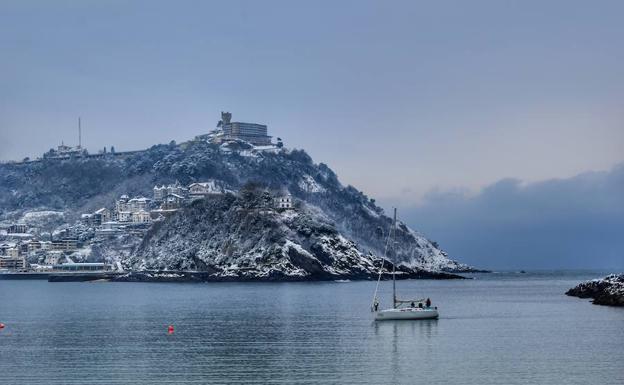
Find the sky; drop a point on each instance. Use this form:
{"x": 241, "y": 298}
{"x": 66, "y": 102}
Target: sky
{"x": 403, "y": 99}
{"x": 576, "y": 223}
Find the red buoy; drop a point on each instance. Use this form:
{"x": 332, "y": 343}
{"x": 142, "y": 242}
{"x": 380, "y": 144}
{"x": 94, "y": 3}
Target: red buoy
{"x": 170, "y": 329}
{"x": 1, "y": 325}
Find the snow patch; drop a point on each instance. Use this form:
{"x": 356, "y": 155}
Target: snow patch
{"x": 308, "y": 184}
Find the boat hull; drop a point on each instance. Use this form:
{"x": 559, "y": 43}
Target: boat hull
{"x": 406, "y": 314}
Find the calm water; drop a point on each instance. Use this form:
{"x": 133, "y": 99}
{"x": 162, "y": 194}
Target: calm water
{"x": 496, "y": 329}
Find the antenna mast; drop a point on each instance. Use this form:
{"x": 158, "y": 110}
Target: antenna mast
{"x": 394, "y": 300}
{"x": 79, "y": 134}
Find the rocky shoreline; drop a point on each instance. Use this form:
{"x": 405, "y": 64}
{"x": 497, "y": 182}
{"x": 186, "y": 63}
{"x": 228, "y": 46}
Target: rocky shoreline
{"x": 275, "y": 276}
{"x": 608, "y": 291}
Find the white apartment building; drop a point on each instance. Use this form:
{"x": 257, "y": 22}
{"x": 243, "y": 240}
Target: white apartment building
{"x": 141, "y": 216}
{"x": 283, "y": 202}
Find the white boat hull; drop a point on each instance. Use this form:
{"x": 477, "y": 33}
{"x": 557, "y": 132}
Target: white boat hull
{"x": 406, "y": 314}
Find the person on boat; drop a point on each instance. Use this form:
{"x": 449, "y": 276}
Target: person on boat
{"x": 420, "y": 305}
{"x": 428, "y": 303}
{"x": 413, "y": 305}
{"x": 376, "y": 305}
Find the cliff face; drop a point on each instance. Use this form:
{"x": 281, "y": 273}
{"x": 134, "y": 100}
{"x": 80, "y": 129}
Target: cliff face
{"x": 607, "y": 291}
{"x": 85, "y": 184}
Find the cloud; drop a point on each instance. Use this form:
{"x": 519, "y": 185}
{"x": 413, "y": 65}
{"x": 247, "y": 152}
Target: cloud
{"x": 560, "y": 223}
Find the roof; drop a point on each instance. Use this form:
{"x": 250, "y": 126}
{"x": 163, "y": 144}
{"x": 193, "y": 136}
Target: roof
{"x": 139, "y": 199}
{"x": 78, "y": 264}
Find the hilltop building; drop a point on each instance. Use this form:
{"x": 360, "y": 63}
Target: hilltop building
{"x": 254, "y": 133}
{"x": 65, "y": 151}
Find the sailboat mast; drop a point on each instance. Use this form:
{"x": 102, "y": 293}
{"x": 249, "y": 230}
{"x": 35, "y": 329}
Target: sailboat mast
{"x": 394, "y": 261}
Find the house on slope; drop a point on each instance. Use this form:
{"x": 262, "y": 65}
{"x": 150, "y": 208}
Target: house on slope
{"x": 201, "y": 190}
{"x": 141, "y": 216}
{"x": 283, "y": 201}
{"x": 161, "y": 192}
{"x": 172, "y": 202}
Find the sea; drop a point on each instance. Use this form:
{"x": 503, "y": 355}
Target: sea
{"x": 496, "y": 328}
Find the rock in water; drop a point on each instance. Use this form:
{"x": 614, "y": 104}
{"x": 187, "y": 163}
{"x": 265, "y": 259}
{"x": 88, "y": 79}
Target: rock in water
{"x": 607, "y": 291}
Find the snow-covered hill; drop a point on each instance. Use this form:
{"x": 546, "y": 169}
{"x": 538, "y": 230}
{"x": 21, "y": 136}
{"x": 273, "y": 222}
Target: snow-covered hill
{"x": 243, "y": 237}
{"x": 80, "y": 185}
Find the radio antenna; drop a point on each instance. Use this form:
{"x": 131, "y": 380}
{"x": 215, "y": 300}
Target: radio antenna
{"x": 79, "y": 134}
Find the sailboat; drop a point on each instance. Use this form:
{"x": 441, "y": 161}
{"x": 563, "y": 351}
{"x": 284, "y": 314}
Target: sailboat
{"x": 412, "y": 309}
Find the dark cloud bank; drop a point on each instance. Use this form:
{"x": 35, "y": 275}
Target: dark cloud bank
{"x": 560, "y": 223}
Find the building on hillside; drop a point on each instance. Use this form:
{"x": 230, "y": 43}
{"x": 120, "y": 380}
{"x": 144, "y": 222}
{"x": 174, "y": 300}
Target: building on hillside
{"x": 103, "y": 215}
{"x": 4, "y": 248}
{"x": 122, "y": 203}
{"x": 137, "y": 204}
{"x": 33, "y": 246}
{"x": 23, "y": 247}
{"x": 202, "y": 189}
{"x": 124, "y": 216}
{"x": 109, "y": 229}
{"x": 13, "y": 252}
{"x": 172, "y": 202}
{"x": 53, "y": 258}
{"x": 141, "y": 216}
{"x": 19, "y": 236}
{"x": 160, "y": 192}
{"x": 283, "y": 202}
{"x": 17, "y": 228}
{"x": 13, "y": 263}
{"x": 66, "y": 244}
{"x": 256, "y": 134}
{"x": 63, "y": 151}
{"x": 88, "y": 219}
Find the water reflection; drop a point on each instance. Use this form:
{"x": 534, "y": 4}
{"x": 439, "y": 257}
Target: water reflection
{"x": 403, "y": 345}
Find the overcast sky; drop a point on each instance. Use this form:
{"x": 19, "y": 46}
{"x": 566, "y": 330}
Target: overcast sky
{"x": 576, "y": 223}
{"x": 399, "y": 97}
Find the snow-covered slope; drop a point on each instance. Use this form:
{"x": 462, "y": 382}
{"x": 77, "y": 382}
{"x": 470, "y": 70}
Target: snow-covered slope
{"x": 239, "y": 237}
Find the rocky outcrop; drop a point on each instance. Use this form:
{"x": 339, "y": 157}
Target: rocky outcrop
{"x": 241, "y": 237}
{"x": 607, "y": 291}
